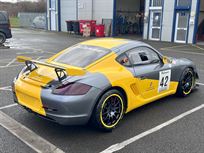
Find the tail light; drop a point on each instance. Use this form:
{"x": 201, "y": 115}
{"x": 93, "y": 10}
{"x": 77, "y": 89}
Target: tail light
{"x": 72, "y": 89}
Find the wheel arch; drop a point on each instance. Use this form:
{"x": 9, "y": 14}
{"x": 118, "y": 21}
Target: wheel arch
{"x": 120, "y": 89}
{"x": 194, "y": 71}
{"x": 187, "y": 67}
{"x": 2, "y": 32}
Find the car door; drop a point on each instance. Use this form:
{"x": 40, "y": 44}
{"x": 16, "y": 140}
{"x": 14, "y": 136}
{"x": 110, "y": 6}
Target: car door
{"x": 152, "y": 75}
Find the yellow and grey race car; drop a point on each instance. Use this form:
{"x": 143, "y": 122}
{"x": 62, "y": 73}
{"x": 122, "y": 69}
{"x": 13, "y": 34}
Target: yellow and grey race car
{"x": 99, "y": 81}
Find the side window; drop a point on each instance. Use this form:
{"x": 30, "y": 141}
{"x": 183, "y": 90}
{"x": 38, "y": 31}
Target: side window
{"x": 143, "y": 55}
{"x": 123, "y": 60}
{"x": 134, "y": 56}
{"x": 2, "y": 17}
{"x": 152, "y": 55}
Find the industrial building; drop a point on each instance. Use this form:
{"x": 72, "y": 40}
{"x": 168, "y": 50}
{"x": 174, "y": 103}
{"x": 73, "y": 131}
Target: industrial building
{"x": 180, "y": 21}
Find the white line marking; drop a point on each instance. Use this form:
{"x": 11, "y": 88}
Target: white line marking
{"x": 7, "y": 88}
{"x": 198, "y": 47}
{"x": 11, "y": 66}
{"x": 27, "y": 136}
{"x": 201, "y": 84}
{"x": 123, "y": 144}
{"x": 10, "y": 62}
{"x": 8, "y": 106}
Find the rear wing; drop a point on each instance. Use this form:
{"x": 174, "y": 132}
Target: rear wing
{"x": 61, "y": 72}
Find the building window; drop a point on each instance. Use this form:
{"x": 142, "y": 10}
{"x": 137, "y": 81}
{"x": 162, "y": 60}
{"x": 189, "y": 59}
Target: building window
{"x": 183, "y": 3}
{"x": 157, "y": 3}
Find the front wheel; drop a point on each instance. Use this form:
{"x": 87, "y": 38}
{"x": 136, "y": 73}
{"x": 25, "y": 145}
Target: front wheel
{"x": 186, "y": 83}
{"x": 109, "y": 110}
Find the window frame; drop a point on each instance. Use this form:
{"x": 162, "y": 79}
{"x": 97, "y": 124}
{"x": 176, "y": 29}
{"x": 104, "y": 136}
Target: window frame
{"x": 177, "y": 4}
{"x": 142, "y": 63}
{"x": 152, "y": 3}
{"x": 130, "y": 65}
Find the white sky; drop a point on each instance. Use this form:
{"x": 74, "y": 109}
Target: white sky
{"x": 14, "y": 1}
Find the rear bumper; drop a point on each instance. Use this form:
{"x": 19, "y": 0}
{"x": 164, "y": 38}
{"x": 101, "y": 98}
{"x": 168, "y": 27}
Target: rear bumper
{"x": 61, "y": 119}
{"x": 66, "y": 110}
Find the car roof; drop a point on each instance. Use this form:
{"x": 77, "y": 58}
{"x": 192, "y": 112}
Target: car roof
{"x": 111, "y": 43}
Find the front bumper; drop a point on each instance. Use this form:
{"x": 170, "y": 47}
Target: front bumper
{"x": 66, "y": 110}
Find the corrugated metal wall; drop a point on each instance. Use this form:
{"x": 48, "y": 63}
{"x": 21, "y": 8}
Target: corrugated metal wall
{"x": 85, "y": 8}
{"x": 192, "y": 21}
{"x": 102, "y": 9}
{"x": 146, "y": 19}
{"x": 68, "y": 12}
{"x": 168, "y": 19}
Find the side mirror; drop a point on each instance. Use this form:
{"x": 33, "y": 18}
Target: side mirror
{"x": 165, "y": 60}
{"x": 22, "y": 59}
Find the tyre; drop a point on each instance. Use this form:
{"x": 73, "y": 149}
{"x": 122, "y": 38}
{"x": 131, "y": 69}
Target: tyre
{"x": 2, "y": 38}
{"x": 186, "y": 83}
{"x": 109, "y": 111}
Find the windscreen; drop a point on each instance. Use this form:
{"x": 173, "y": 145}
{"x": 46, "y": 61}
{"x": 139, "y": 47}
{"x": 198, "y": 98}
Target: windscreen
{"x": 81, "y": 55}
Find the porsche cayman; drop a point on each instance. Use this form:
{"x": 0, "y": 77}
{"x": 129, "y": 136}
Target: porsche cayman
{"x": 99, "y": 81}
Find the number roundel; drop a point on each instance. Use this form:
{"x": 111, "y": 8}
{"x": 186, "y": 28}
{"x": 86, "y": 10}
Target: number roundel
{"x": 164, "y": 80}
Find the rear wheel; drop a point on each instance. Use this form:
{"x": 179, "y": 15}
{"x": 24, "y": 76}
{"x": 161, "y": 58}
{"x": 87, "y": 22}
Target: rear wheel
{"x": 186, "y": 83}
{"x": 2, "y": 38}
{"x": 109, "y": 110}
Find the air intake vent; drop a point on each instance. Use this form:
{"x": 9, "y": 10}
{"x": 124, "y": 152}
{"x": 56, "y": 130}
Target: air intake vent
{"x": 134, "y": 88}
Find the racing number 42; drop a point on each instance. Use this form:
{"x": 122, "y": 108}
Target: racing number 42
{"x": 164, "y": 80}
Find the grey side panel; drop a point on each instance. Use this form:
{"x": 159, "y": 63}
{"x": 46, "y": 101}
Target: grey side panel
{"x": 97, "y": 80}
{"x": 152, "y": 71}
{"x": 74, "y": 110}
{"x": 181, "y": 65}
{"x": 69, "y": 109}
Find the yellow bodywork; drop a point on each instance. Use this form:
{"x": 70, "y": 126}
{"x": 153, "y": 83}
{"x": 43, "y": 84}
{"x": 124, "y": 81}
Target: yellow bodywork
{"x": 118, "y": 76}
{"x": 28, "y": 88}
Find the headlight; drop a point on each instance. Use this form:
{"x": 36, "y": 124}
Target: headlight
{"x": 72, "y": 89}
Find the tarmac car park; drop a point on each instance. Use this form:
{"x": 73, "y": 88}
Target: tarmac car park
{"x": 171, "y": 124}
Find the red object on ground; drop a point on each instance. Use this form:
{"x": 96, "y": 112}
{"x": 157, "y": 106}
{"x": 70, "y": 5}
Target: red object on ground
{"x": 88, "y": 23}
{"x": 100, "y": 30}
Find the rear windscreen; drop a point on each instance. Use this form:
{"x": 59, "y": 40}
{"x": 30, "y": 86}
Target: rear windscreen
{"x": 81, "y": 55}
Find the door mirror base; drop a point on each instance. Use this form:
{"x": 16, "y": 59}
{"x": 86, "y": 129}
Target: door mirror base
{"x": 166, "y": 60}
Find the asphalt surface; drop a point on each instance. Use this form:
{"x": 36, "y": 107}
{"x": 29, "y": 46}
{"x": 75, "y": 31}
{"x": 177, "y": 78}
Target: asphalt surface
{"x": 185, "y": 135}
